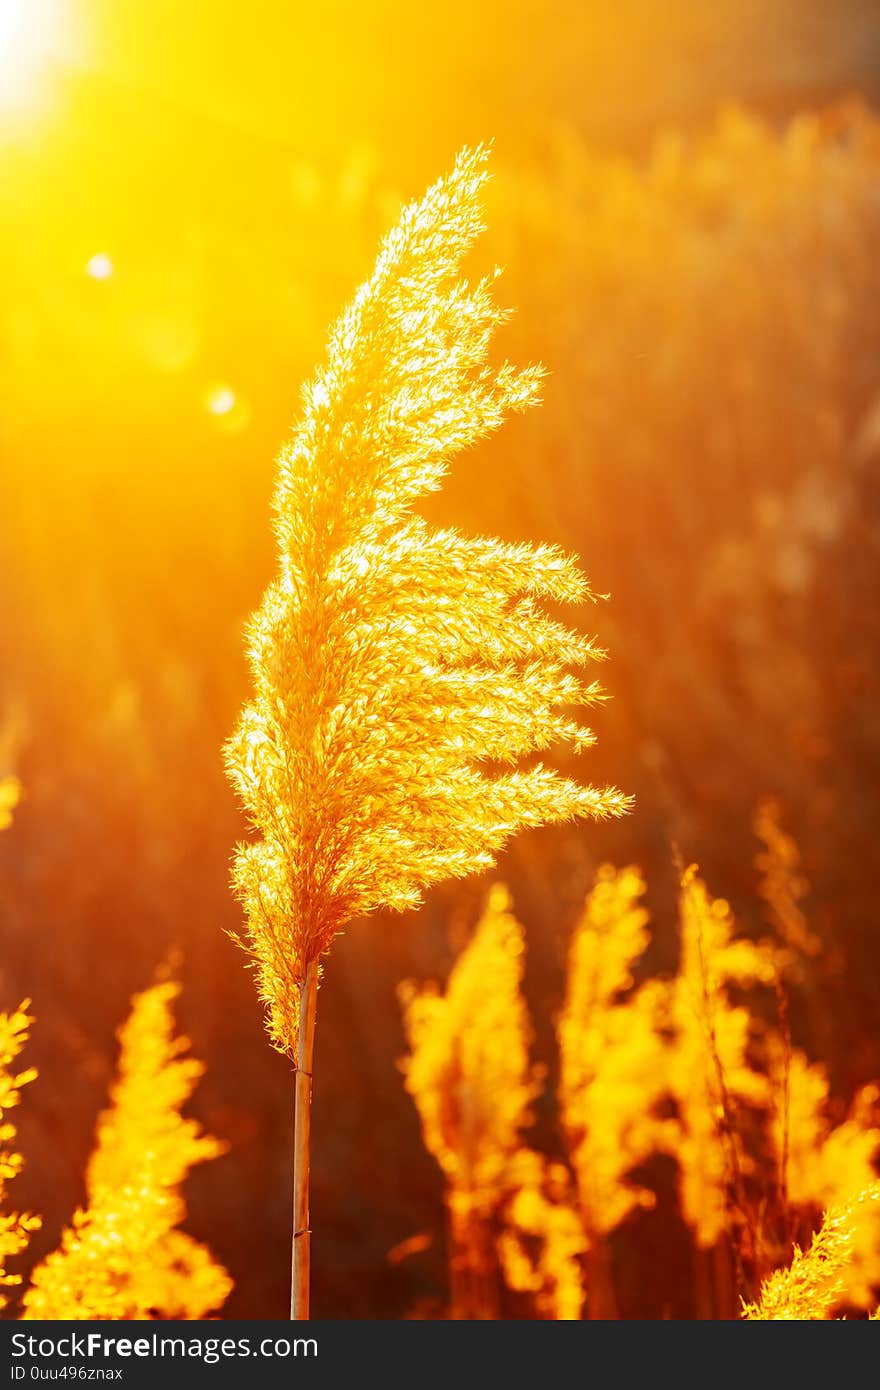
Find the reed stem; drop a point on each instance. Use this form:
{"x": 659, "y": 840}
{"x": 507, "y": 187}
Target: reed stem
{"x": 301, "y": 1245}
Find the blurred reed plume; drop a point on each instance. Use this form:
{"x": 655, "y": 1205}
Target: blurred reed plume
{"x": 543, "y": 1241}
{"x": 400, "y": 672}
{"x": 10, "y": 795}
{"x": 782, "y": 884}
{"x": 698, "y": 1067}
{"x": 711, "y": 1078}
{"x": 470, "y": 1076}
{"x": 15, "y": 1227}
{"x": 612, "y": 1073}
{"x": 124, "y": 1255}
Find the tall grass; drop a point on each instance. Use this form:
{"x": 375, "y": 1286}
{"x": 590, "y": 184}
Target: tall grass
{"x": 817, "y": 1281}
{"x": 124, "y": 1255}
{"x": 697, "y": 1067}
{"x": 470, "y": 1075}
{"x": 16, "y": 1227}
{"x": 401, "y": 673}
{"x": 709, "y": 438}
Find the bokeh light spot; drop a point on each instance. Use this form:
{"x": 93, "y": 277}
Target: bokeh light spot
{"x": 230, "y": 411}
{"x": 99, "y": 266}
{"x": 220, "y": 400}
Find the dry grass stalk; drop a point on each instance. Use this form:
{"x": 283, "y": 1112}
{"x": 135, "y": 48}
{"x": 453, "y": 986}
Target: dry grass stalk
{"x": 400, "y": 672}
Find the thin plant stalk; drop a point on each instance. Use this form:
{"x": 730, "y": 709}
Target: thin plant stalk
{"x": 301, "y": 1244}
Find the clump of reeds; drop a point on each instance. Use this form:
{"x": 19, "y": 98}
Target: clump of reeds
{"x": 699, "y": 1067}
{"x": 471, "y": 1077}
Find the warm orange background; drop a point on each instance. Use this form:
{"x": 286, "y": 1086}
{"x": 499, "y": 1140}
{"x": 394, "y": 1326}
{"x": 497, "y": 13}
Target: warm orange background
{"x": 709, "y": 446}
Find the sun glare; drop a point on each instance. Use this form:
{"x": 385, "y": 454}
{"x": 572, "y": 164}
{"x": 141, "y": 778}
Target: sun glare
{"x": 29, "y": 30}
{"x": 11, "y": 13}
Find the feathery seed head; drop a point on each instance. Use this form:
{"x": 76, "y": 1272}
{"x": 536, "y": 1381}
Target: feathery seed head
{"x": 612, "y": 1075}
{"x": 468, "y": 1069}
{"x": 816, "y": 1282}
{"x": 15, "y": 1228}
{"x": 124, "y": 1256}
{"x": 710, "y": 1070}
{"x": 398, "y": 667}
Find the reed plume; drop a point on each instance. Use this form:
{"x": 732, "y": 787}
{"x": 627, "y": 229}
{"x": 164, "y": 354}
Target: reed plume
{"x": 400, "y": 671}
{"x": 543, "y": 1242}
{"x": 613, "y": 1066}
{"x": 782, "y": 884}
{"x": 827, "y": 1166}
{"x": 689, "y": 1066}
{"x": 470, "y": 1076}
{"x": 15, "y": 1227}
{"x": 124, "y": 1256}
{"x": 825, "y": 1163}
{"x": 10, "y": 795}
{"x": 712, "y": 1080}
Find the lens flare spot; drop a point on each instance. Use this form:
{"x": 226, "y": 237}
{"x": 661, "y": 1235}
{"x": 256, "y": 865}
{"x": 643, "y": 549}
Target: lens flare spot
{"x": 99, "y": 266}
{"x": 230, "y": 411}
{"x": 220, "y": 400}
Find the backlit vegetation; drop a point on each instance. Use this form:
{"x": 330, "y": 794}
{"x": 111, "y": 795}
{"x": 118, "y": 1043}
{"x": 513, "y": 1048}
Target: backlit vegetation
{"x": 686, "y": 1105}
{"x": 402, "y": 673}
{"x": 15, "y": 1228}
{"x": 124, "y": 1255}
{"x": 698, "y": 1067}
